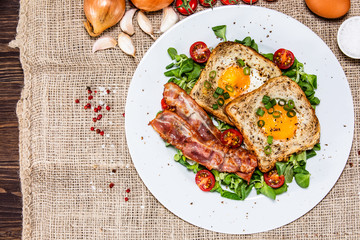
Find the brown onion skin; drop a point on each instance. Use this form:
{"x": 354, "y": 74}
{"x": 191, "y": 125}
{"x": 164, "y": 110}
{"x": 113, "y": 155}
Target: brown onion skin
{"x": 102, "y": 14}
{"x": 151, "y": 5}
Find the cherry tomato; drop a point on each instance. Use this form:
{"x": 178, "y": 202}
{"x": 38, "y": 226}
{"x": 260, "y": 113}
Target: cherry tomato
{"x": 199, "y": 52}
{"x": 284, "y": 58}
{"x": 186, "y": 7}
{"x": 208, "y": 3}
{"x": 205, "y": 180}
{"x": 164, "y": 106}
{"x": 231, "y": 138}
{"x": 230, "y": 2}
{"x": 273, "y": 179}
{"x": 250, "y": 1}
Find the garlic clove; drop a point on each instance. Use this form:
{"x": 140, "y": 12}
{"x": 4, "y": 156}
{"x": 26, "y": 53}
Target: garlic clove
{"x": 104, "y": 42}
{"x": 126, "y": 23}
{"x": 126, "y": 44}
{"x": 169, "y": 18}
{"x": 145, "y": 24}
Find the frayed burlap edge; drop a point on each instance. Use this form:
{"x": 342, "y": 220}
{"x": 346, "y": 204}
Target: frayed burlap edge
{"x": 24, "y": 118}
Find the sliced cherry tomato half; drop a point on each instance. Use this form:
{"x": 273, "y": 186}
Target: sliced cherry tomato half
{"x": 273, "y": 179}
{"x": 250, "y": 1}
{"x": 205, "y": 180}
{"x": 230, "y": 2}
{"x": 208, "y": 3}
{"x": 186, "y": 7}
{"x": 164, "y": 106}
{"x": 231, "y": 138}
{"x": 199, "y": 52}
{"x": 283, "y": 58}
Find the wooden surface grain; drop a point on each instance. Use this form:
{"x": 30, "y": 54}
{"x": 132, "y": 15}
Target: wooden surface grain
{"x": 11, "y": 82}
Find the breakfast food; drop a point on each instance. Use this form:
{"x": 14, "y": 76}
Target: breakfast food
{"x": 232, "y": 69}
{"x": 273, "y": 108}
{"x": 189, "y": 129}
{"x": 276, "y": 121}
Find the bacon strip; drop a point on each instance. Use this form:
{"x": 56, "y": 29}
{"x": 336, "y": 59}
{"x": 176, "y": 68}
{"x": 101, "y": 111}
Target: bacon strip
{"x": 191, "y": 112}
{"x": 179, "y": 133}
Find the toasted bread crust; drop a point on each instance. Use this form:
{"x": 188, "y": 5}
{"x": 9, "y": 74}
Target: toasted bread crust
{"x": 227, "y": 53}
{"x": 242, "y": 112}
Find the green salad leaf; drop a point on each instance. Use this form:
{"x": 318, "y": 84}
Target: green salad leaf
{"x": 220, "y": 31}
{"x": 249, "y": 42}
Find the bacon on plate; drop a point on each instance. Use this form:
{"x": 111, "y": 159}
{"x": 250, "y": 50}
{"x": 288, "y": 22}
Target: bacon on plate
{"x": 191, "y": 112}
{"x": 213, "y": 155}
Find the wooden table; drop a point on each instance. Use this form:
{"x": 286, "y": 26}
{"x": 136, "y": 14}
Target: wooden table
{"x": 11, "y": 82}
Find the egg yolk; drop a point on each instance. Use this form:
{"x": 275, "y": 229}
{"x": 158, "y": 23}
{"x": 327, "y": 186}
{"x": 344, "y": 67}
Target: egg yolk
{"x": 234, "y": 81}
{"x": 283, "y": 127}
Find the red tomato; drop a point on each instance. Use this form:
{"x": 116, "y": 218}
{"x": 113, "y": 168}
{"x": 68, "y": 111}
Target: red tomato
{"x": 199, "y": 52}
{"x": 231, "y": 138}
{"x": 250, "y": 1}
{"x": 186, "y": 7}
{"x": 205, "y": 180}
{"x": 164, "y": 106}
{"x": 230, "y": 2}
{"x": 273, "y": 179}
{"x": 284, "y": 58}
{"x": 208, "y": 3}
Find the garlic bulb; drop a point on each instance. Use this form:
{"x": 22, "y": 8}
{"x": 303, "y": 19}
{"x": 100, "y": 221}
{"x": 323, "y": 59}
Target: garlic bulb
{"x": 104, "y": 42}
{"x": 145, "y": 24}
{"x": 126, "y": 22}
{"x": 169, "y": 18}
{"x": 126, "y": 44}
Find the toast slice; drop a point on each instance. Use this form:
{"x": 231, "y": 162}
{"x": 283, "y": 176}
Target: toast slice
{"x": 242, "y": 112}
{"x": 224, "y": 56}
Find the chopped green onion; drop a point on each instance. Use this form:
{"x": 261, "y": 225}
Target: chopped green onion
{"x": 291, "y": 113}
{"x": 268, "y": 105}
{"x": 240, "y": 62}
{"x": 226, "y": 95}
{"x": 291, "y": 104}
{"x": 246, "y": 70}
{"x": 270, "y": 110}
{"x": 220, "y": 101}
{"x": 215, "y": 106}
{"x": 261, "y": 123}
{"x": 270, "y": 140}
{"x": 207, "y": 84}
{"x": 219, "y": 91}
{"x": 212, "y": 74}
{"x": 260, "y": 112}
{"x": 287, "y": 107}
{"x": 281, "y": 102}
{"x": 229, "y": 88}
{"x": 215, "y": 95}
{"x": 265, "y": 99}
{"x": 273, "y": 102}
{"x": 276, "y": 114}
{"x": 267, "y": 150}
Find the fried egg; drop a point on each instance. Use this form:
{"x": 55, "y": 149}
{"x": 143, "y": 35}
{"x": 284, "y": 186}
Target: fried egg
{"x": 281, "y": 127}
{"x": 291, "y": 122}
{"x": 232, "y": 78}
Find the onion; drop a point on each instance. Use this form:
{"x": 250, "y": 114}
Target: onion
{"x": 151, "y": 5}
{"x": 102, "y": 14}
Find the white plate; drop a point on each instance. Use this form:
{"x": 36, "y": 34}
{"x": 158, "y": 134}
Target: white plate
{"x": 173, "y": 185}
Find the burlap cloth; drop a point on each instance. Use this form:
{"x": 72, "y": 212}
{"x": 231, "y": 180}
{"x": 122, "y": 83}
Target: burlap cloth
{"x": 65, "y": 169}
